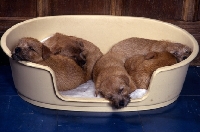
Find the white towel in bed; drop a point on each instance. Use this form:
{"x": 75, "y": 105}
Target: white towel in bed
{"x": 88, "y": 90}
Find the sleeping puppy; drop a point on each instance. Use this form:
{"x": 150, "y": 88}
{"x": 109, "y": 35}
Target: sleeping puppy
{"x": 133, "y": 46}
{"x": 112, "y": 81}
{"x": 68, "y": 74}
{"x": 64, "y": 45}
{"x": 141, "y": 67}
{"x": 82, "y": 51}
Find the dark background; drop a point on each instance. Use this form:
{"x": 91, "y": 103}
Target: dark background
{"x": 183, "y": 13}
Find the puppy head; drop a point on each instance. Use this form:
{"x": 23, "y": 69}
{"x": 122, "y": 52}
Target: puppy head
{"x": 28, "y": 49}
{"x": 73, "y": 49}
{"x": 181, "y": 52}
{"x": 116, "y": 90}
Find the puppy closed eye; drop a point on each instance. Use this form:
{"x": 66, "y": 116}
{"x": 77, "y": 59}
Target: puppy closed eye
{"x": 31, "y": 48}
{"x": 120, "y": 90}
{"x": 175, "y": 53}
{"x": 187, "y": 52}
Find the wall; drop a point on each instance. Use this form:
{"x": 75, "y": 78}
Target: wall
{"x": 183, "y": 13}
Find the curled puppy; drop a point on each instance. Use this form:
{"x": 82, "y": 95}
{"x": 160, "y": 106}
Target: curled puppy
{"x": 133, "y": 46}
{"x": 112, "y": 81}
{"x": 68, "y": 74}
{"x": 141, "y": 67}
{"x": 82, "y": 51}
{"x": 64, "y": 45}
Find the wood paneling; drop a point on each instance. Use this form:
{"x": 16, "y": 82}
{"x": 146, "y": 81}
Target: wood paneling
{"x": 18, "y": 8}
{"x": 157, "y": 9}
{"x": 82, "y": 7}
{"x": 7, "y": 22}
{"x": 190, "y": 10}
{"x": 198, "y": 11}
{"x": 183, "y": 13}
{"x": 42, "y": 8}
{"x": 116, "y": 7}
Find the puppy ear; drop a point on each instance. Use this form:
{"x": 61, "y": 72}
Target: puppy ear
{"x": 173, "y": 52}
{"x": 80, "y": 43}
{"x": 83, "y": 55}
{"x": 57, "y": 50}
{"x": 173, "y": 49}
{"x": 130, "y": 65}
{"x": 45, "y": 52}
{"x": 83, "y": 52}
{"x": 150, "y": 55}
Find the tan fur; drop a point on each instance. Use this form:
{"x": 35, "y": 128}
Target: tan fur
{"x": 68, "y": 74}
{"x": 112, "y": 81}
{"x": 82, "y": 51}
{"x": 141, "y": 67}
{"x": 133, "y": 46}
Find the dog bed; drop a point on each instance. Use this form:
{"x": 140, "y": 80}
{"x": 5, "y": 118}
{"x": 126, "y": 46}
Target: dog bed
{"x": 36, "y": 84}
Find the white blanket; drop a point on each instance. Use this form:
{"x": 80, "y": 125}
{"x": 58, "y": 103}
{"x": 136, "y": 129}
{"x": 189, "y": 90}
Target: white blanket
{"x": 88, "y": 90}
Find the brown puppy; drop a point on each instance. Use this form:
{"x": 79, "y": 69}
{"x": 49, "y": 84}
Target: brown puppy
{"x": 64, "y": 45}
{"x": 68, "y": 74}
{"x": 112, "y": 81}
{"x": 141, "y": 67}
{"x": 133, "y": 46}
{"x": 82, "y": 51}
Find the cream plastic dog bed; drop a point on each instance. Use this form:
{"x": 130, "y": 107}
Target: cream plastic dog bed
{"x": 36, "y": 84}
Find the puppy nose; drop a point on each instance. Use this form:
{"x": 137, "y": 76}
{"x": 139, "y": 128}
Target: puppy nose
{"x": 184, "y": 57}
{"x": 17, "y": 50}
{"x": 121, "y": 103}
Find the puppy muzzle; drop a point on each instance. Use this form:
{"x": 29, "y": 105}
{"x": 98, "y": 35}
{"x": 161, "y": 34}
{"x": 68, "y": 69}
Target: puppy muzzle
{"x": 17, "y": 57}
{"x": 120, "y": 103}
{"x": 18, "y": 50}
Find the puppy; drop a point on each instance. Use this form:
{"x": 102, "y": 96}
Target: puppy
{"x": 112, "y": 81}
{"x": 68, "y": 74}
{"x": 82, "y": 51}
{"x": 133, "y": 46}
{"x": 141, "y": 67}
{"x": 64, "y": 45}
